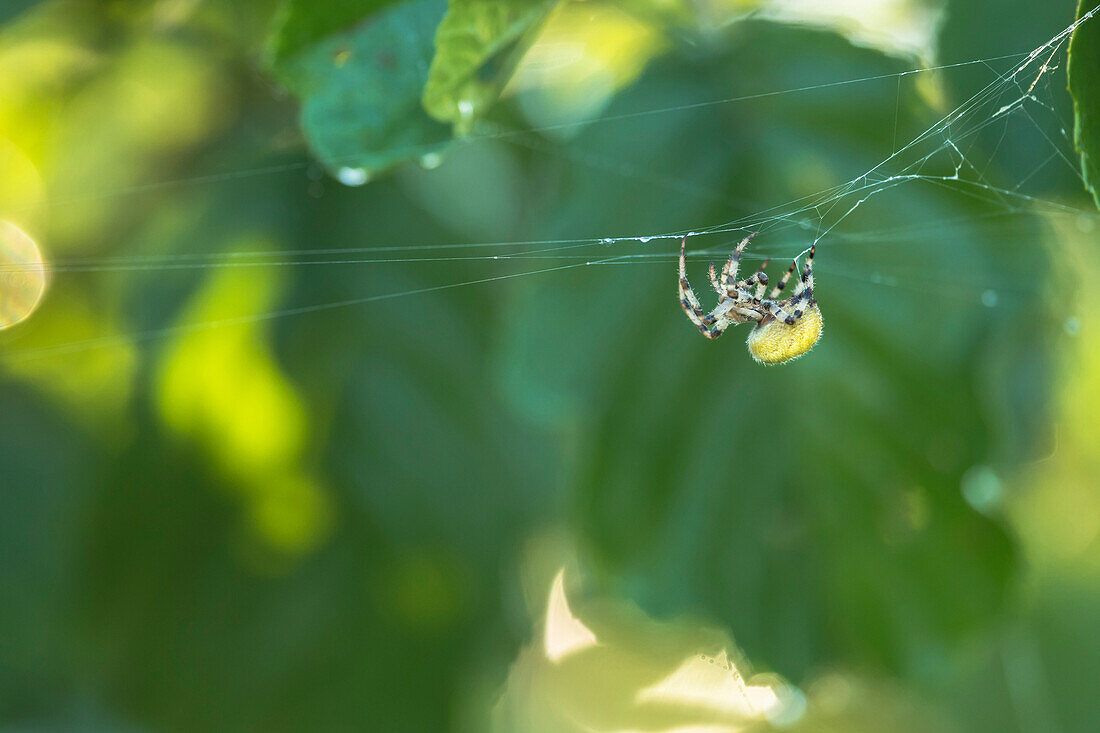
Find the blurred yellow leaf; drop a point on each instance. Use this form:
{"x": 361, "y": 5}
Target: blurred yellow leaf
{"x": 156, "y": 99}
{"x": 94, "y": 383}
{"x": 221, "y": 387}
{"x": 609, "y": 668}
{"x": 1059, "y": 512}
{"x": 584, "y": 53}
{"x": 907, "y": 28}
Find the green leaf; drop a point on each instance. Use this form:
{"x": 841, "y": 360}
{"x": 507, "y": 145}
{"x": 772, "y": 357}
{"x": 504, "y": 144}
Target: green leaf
{"x": 1084, "y": 85}
{"x": 815, "y": 509}
{"x": 360, "y": 90}
{"x": 300, "y": 23}
{"x": 478, "y": 46}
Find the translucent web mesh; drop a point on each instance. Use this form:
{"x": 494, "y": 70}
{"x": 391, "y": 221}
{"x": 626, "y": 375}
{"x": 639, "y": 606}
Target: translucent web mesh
{"x": 944, "y": 156}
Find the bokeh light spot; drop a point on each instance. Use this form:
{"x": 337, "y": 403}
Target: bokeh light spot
{"x": 22, "y": 275}
{"x": 353, "y": 176}
{"x": 564, "y": 633}
{"x": 982, "y": 488}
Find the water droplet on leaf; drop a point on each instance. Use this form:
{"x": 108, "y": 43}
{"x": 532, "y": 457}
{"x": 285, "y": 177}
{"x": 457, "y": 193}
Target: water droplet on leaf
{"x": 353, "y": 176}
{"x": 982, "y": 488}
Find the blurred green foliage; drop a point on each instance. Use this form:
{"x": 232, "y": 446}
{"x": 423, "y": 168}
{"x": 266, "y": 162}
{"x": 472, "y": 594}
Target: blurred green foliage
{"x": 338, "y": 520}
{"x": 300, "y": 24}
{"x": 1084, "y": 83}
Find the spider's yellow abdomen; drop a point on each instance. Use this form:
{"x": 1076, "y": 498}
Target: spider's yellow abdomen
{"x": 775, "y": 342}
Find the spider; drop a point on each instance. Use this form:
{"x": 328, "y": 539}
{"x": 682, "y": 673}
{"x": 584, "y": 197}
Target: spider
{"x": 785, "y": 329}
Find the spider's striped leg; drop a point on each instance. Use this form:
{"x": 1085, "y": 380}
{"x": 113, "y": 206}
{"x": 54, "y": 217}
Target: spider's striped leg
{"x": 807, "y": 280}
{"x": 714, "y": 281}
{"x": 742, "y": 314}
{"x": 760, "y": 279}
{"x": 725, "y": 278}
{"x": 772, "y": 307}
{"x": 745, "y": 287}
{"x": 708, "y": 324}
{"x": 762, "y": 286}
{"x": 729, "y": 272}
{"x": 804, "y": 293}
{"x": 783, "y": 283}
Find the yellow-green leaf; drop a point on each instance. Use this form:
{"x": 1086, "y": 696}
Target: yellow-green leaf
{"x": 478, "y": 45}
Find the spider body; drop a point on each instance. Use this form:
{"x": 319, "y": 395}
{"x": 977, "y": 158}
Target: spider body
{"x": 785, "y": 329}
{"x": 774, "y": 342}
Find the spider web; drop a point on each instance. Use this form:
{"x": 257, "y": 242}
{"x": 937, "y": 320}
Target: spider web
{"x": 1019, "y": 94}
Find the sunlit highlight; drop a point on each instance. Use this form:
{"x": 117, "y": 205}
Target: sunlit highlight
{"x": 898, "y": 27}
{"x": 712, "y": 683}
{"x": 22, "y": 275}
{"x": 565, "y": 634}
{"x": 636, "y": 674}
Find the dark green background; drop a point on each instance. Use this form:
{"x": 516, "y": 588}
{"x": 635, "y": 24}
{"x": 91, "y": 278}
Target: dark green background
{"x": 812, "y": 511}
